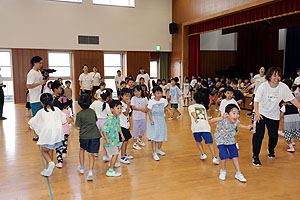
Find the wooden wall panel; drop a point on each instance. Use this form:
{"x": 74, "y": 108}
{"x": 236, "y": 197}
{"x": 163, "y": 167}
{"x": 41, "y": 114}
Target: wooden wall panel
{"x": 135, "y": 60}
{"x": 21, "y": 66}
{"x": 80, "y": 58}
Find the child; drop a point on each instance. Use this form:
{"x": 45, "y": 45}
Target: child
{"x": 97, "y": 93}
{"x": 164, "y": 88}
{"x": 131, "y": 86}
{"x": 125, "y": 125}
{"x": 228, "y": 92}
{"x": 186, "y": 91}
{"x": 139, "y": 106}
{"x": 61, "y": 83}
{"x": 68, "y": 94}
{"x": 28, "y": 108}
{"x": 47, "y": 124}
{"x": 156, "y": 126}
{"x": 175, "y": 94}
{"x": 144, "y": 87}
{"x": 102, "y": 110}
{"x": 47, "y": 89}
{"x": 89, "y": 135}
{"x": 122, "y": 85}
{"x": 56, "y": 88}
{"x": 111, "y": 131}
{"x": 200, "y": 126}
{"x": 224, "y": 137}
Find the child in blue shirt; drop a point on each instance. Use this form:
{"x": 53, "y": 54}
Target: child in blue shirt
{"x": 175, "y": 93}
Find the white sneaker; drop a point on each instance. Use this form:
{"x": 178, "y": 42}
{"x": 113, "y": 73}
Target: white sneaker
{"x": 140, "y": 142}
{"x": 281, "y": 133}
{"x": 106, "y": 159}
{"x": 64, "y": 155}
{"x": 203, "y": 156}
{"x": 95, "y": 154}
{"x": 80, "y": 170}
{"x": 113, "y": 173}
{"x": 43, "y": 173}
{"x": 237, "y": 146}
{"x": 293, "y": 142}
{"x": 155, "y": 157}
{"x": 124, "y": 160}
{"x": 216, "y": 160}
{"x": 222, "y": 175}
{"x": 116, "y": 165}
{"x": 59, "y": 165}
{"x": 90, "y": 176}
{"x": 171, "y": 118}
{"x": 128, "y": 156}
{"x": 216, "y": 110}
{"x": 179, "y": 116}
{"x": 136, "y": 146}
{"x": 160, "y": 152}
{"x": 51, "y": 166}
{"x": 241, "y": 178}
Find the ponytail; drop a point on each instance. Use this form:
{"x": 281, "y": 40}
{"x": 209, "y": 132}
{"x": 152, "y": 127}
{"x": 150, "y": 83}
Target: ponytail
{"x": 47, "y": 99}
{"x": 104, "y": 95}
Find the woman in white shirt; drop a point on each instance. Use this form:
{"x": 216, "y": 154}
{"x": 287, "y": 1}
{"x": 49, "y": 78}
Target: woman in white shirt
{"x": 86, "y": 81}
{"x": 96, "y": 76}
{"x": 146, "y": 77}
{"x": 267, "y": 111}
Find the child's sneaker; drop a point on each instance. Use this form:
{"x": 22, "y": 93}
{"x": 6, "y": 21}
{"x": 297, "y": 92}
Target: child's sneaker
{"x": 106, "y": 159}
{"x": 179, "y": 116}
{"x": 240, "y": 177}
{"x": 216, "y": 110}
{"x": 291, "y": 148}
{"x": 281, "y": 133}
{"x": 80, "y": 169}
{"x": 128, "y": 156}
{"x": 237, "y": 146}
{"x": 203, "y": 156}
{"x": 140, "y": 142}
{"x": 112, "y": 173}
{"x": 59, "y": 165}
{"x": 95, "y": 154}
{"x": 51, "y": 166}
{"x": 90, "y": 176}
{"x": 170, "y": 118}
{"x": 160, "y": 152}
{"x": 255, "y": 161}
{"x": 215, "y": 160}
{"x": 222, "y": 175}
{"x": 293, "y": 143}
{"x": 64, "y": 155}
{"x": 43, "y": 173}
{"x": 136, "y": 146}
{"x": 124, "y": 160}
{"x": 155, "y": 157}
{"x": 271, "y": 155}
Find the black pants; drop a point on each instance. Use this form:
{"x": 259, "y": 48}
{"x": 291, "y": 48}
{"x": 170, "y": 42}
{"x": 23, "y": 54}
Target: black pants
{"x": 258, "y": 136}
{"x": 1, "y": 101}
{"x": 89, "y": 92}
{"x": 95, "y": 88}
{"x": 62, "y": 149}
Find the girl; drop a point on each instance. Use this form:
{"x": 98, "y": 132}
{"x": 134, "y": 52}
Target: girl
{"x": 86, "y": 81}
{"x": 156, "y": 127}
{"x": 186, "y": 91}
{"x": 139, "y": 106}
{"x": 102, "y": 110}
{"x": 164, "y": 88}
{"x": 48, "y": 125}
{"x": 144, "y": 87}
{"x": 145, "y": 75}
{"x": 98, "y": 92}
{"x": 96, "y": 79}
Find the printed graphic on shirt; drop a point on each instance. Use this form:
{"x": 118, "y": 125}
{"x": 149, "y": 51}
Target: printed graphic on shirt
{"x": 200, "y": 113}
{"x": 272, "y": 97}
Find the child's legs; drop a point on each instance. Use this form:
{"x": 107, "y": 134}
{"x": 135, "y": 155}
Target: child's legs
{"x": 198, "y": 140}
{"x": 209, "y": 141}
{"x": 236, "y": 164}
{"x": 223, "y": 154}
{"x": 59, "y": 152}
{"x": 223, "y": 164}
{"x": 113, "y": 161}
{"x": 142, "y": 126}
{"x": 65, "y": 143}
{"x": 81, "y": 157}
{"x": 288, "y": 136}
{"x": 234, "y": 154}
{"x": 46, "y": 155}
{"x": 91, "y": 161}
{"x": 159, "y": 145}
{"x": 154, "y": 146}
{"x": 124, "y": 148}
{"x": 51, "y": 154}
{"x": 135, "y": 125}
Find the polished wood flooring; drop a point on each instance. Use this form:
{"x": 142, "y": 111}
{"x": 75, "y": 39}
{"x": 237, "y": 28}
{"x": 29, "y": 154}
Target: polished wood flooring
{"x": 178, "y": 175}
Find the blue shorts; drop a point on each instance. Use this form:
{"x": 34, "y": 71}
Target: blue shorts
{"x": 52, "y": 146}
{"x": 90, "y": 145}
{"x": 228, "y": 151}
{"x": 205, "y": 135}
{"x": 35, "y": 107}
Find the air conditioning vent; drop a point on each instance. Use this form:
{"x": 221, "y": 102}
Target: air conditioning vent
{"x": 82, "y": 39}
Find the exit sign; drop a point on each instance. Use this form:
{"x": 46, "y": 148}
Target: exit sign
{"x": 157, "y": 48}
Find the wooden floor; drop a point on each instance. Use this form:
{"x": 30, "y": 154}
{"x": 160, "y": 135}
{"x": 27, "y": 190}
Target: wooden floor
{"x": 179, "y": 175}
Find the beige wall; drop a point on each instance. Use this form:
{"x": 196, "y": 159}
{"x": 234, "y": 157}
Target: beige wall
{"x": 55, "y": 25}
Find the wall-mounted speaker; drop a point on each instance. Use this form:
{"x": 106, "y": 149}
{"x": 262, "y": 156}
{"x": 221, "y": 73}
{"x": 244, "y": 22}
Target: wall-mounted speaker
{"x": 173, "y": 28}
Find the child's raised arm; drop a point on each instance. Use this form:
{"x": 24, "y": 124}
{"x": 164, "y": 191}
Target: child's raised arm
{"x": 126, "y": 113}
{"x": 194, "y": 116}
{"x": 245, "y": 127}
{"x": 218, "y": 119}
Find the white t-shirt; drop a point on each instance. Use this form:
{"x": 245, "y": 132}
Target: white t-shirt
{"x": 146, "y": 77}
{"x": 86, "y": 81}
{"x": 95, "y": 76}
{"x": 118, "y": 80}
{"x": 1, "y": 79}
{"x": 258, "y": 80}
{"x": 153, "y": 102}
{"x": 48, "y": 90}
{"x": 193, "y": 82}
{"x": 124, "y": 120}
{"x": 202, "y": 125}
{"x": 34, "y": 77}
{"x": 297, "y": 81}
{"x": 224, "y": 103}
{"x": 48, "y": 126}
{"x": 164, "y": 87}
{"x": 186, "y": 89}
{"x": 269, "y": 99}
{"x": 97, "y": 107}
{"x": 98, "y": 92}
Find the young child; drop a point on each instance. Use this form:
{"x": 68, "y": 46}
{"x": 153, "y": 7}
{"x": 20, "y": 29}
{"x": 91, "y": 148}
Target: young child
{"x": 175, "y": 94}
{"x": 156, "y": 126}
{"x": 122, "y": 85}
{"x": 68, "y": 94}
{"x": 144, "y": 87}
{"x": 111, "y": 131}
{"x": 224, "y": 137}
{"x": 200, "y": 126}
{"x": 125, "y": 125}
{"x": 102, "y": 110}
{"x": 139, "y": 106}
{"x": 228, "y": 92}
{"x": 130, "y": 85}
{"x": 47, "y": 89}
{"x": 186, "y": 91}
{"x": 89, "y": 134}
{"x": 97, "y": 93}
{"x": 164, "y": 88}
{"x": 28, "y": 107}
{"x": 48, "y": 125}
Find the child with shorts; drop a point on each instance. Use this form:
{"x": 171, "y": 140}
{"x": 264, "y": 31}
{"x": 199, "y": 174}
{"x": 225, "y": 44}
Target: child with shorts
{"x": 224, "y": 137}
{"x": 175, "y": 93}
{"x": 200, "y": 126}
{"x": 89, "y": 135}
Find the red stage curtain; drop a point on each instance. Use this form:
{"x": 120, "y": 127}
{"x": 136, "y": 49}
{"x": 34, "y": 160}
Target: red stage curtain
{"x": 194, "y": 55}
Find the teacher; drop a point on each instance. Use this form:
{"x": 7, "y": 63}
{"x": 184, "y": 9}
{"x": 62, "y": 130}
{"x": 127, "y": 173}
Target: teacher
{"x": 86, "y": 81}
{"x": 1, "y": 98}
{"x": 146, "y": 77}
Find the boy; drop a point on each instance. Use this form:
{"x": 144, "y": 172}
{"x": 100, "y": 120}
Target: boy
{"x": 89, "y": 134}
{"x": 122, "y": 85}
{"x": 125, "y": 125}
{"x": 164, "y": 87}
{"x": 130, "y": 85}
{"x": 238, "y": 95}
{"x": 200, "y": 126}
{"x": 175, "y": 94}
{"x": 68, "y": 94}
{"x": 111, "y": 130}
{"x": 224, "y": 137}
{"x": 56, "y": 88}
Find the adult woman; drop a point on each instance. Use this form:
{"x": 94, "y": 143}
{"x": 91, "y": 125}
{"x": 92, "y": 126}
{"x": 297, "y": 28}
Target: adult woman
{"x": 1, "y": 98}
{"x": 267, "y": 111}
{"x": 86, "y": 81}
{"x": 96, "y": 76}
{"x": 145, "y": 76}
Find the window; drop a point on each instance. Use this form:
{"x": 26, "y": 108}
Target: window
{"x": 112, "y": 63}
{"x": 61, "y": 62}
{"x": 6, "y": 73}
{"x": 125, "y": 3}
{"x": 154, "y": 70}
{"x": 76, "y": 1}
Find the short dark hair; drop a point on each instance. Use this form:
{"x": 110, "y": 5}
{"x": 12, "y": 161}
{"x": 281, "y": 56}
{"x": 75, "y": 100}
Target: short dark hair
{"x": 204, "y": 83}
{"x": 84, "y": 66}
{"x": 102, "y": 84}
{"x": 95, "y": 67}
{"x": 122, "y": 82}
{"x": 114, "y": 103}
{"x": 288, "y": 82}
{"x": 234, "y": 82}
{"x": 273, "y": 70}
{"x": 35, "y": 59}
{"x": 142, "y": 78}
{"x": 229, "y": 108}
{"x": 119, "y": 71}
{"x": 229, "y": 89}
{"x": 199, "y": 97}
{"x": 163, "y": 80}
{"x": 67, "y": 82}
{"x": 157, "y": 89}
{"x": 50, "y": 82}
{"x": 84, "y": 101}
{"x": 125, "y": 91}
{"x": 130, "y": 79}
{"x": 55, "y": 85}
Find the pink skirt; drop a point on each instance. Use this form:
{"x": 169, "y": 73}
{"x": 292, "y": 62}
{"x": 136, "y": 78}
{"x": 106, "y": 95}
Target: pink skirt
{"x": 100, "y": 122}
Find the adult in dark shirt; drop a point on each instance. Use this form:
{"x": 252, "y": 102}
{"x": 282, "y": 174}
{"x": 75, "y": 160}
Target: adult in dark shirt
{"x": 238, "y": 95}
{"x": 204, "y": 89}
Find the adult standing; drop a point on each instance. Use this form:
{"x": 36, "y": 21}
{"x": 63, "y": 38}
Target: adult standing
{"x": 96, "y": 76}
{"x": 1, "y": 98}
{"x": 297, "y": 79}
{"x": 267, "y": 111}
{"x": 86, "y": 81}
{"x": 146, "y": 77}
{"x": 118, "y": 79}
